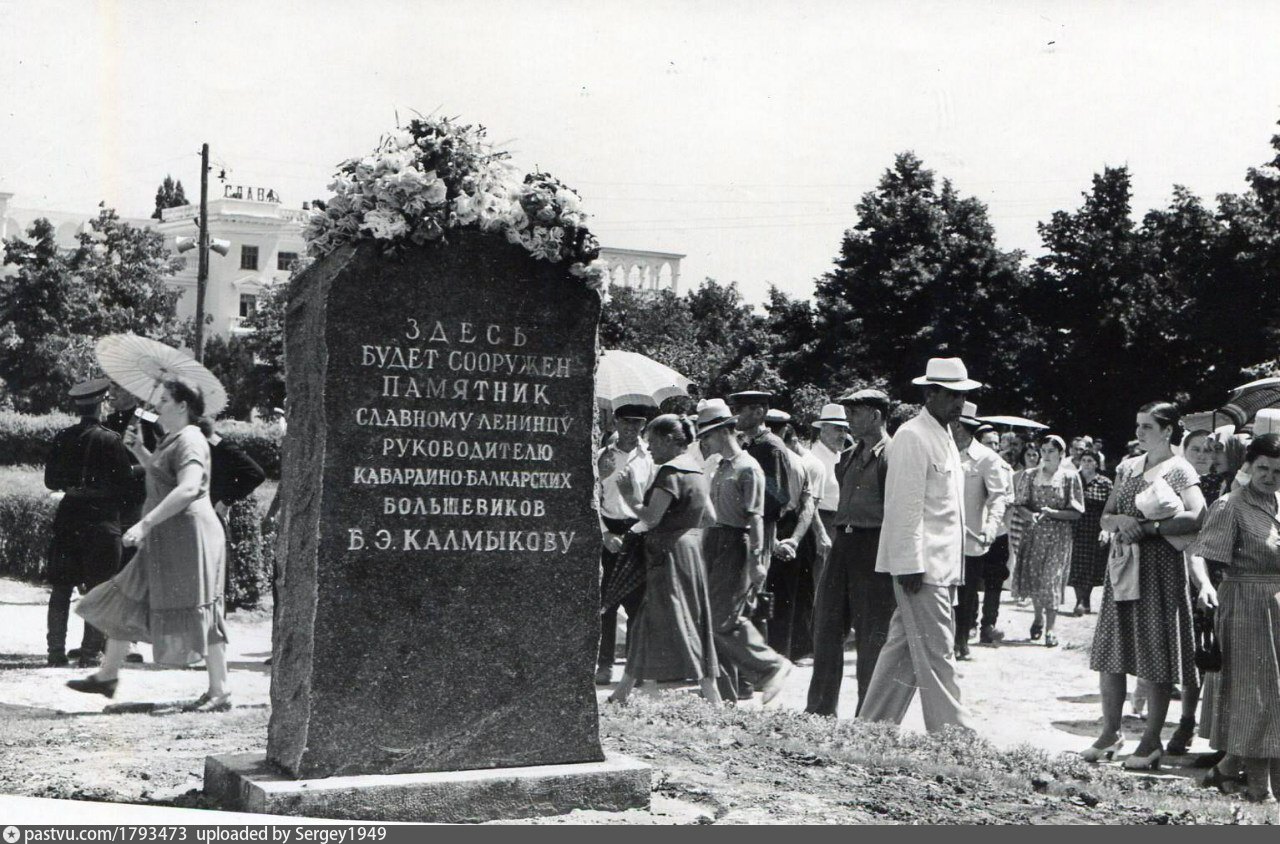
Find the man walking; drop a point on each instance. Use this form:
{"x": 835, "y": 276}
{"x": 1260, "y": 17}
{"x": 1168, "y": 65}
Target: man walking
{"x": 922, "y": 546}
{"x": 734, "y": 551}
{"x": 630, "y": 457}
{"x": 988, "y": 485}
{"x": 90, "y": 466}
{"x": 850, "y": 591}
{"x": 790, "y": 578}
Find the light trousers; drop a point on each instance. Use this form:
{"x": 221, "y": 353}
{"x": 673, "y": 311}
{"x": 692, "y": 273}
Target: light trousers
{"x": 918, "y": 656}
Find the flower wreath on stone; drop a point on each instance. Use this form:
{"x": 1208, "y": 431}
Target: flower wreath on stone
{"x": 435, "y": 175}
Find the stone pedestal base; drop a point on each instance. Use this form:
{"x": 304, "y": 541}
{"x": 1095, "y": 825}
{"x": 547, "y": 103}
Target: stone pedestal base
{"x": 247, "y": 783}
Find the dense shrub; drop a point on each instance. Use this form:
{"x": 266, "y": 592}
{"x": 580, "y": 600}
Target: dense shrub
{"x": 26, "y": 514}
{"x": 250, "y": 561}
{"x": 25, "y": 439}
{"x": 260, "y": 440}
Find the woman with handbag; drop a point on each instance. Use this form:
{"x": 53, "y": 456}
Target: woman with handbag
{"x": 1150, "y": 635}
{"x": 1052, "y": 499}
{"x": 1243, "y": 534}
{"x": 671, "y": 638}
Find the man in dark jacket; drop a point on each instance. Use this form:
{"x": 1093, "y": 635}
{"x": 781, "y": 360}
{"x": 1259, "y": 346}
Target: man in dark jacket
{"x": 91, "y": 467}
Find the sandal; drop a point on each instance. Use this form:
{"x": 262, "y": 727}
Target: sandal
{"x": 210, "y": 703}
{"x": 1180, "y": 742}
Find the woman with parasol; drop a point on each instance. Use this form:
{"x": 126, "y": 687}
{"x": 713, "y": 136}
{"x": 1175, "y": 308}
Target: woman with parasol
{"x": 171, "y": 593}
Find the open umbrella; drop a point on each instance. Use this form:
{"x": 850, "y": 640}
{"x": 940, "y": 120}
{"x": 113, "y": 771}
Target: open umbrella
{"x": 1246, "y": 400}
{"x": 1013, "y": 422}
{"x": 631, "y": 378}
{"x": 141, "y": 365}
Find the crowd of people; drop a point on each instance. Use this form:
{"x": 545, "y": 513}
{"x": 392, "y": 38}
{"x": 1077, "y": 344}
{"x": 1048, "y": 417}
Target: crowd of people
{"x": 140, "y": 529}
{"x": 761, "y": 547}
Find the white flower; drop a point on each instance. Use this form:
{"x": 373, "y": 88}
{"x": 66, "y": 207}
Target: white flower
{"x": 402, "y": 138}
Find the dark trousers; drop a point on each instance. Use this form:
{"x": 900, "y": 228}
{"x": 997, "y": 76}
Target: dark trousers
{"x": 743, "y": 652}
{"x": 609, "y": 620}
{"x": 59, "y": 614}
{"x": 850, "y": 593}
{"x": 987, "y": 572}
{"x": 791, "y": 584}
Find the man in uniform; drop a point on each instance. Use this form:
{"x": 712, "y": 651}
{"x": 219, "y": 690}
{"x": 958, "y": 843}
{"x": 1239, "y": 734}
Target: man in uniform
{"x": 91, "y": 467}
{"x": 629, "y": 456}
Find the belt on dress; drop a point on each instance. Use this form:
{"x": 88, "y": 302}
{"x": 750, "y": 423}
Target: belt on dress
{"x": 1251, "y": 578}
{"x": 854, "y": 528}
{"x": 733, "y": 528}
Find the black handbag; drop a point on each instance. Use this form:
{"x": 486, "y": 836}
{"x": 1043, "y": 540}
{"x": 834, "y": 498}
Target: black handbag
{"x": 1208, "y": 653}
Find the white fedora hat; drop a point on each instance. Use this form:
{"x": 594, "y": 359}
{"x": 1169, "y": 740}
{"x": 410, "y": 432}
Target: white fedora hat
{"x": 712, "y": 414}
{"x": 832, "y": 414}
{"x": 949, "y": 373}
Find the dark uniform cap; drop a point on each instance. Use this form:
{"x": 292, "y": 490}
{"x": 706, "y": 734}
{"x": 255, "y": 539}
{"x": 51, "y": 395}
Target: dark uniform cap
{"x": 777, "y": 417}
{"x": 632, "y": 411}
{"x": 750, "y": 397}
{"x": 88, "y": 392}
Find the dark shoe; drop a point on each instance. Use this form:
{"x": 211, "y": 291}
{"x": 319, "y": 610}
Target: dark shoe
{"x": 135, "y": 658}
{"x": 1182, "y": 737}
{"x": 962, "y": 651}
{"x": 604, "y": 676}
{"x": 1225, "y": 783}
{"x": 58, "y": 661}
{"x": 1078, "y": 611}
{"x": 93, "y": 686}
{"x": 990, "y": 635}
{"x": 1209, "y": 760}
{"x": 89, "y": 660}
{"x": 1036, "y": 629}
{"x": 74, "y": 653}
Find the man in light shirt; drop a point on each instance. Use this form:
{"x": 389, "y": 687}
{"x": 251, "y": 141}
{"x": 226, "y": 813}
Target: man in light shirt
{"x": 626, "y": 455}
{"x": 988, "y": 485}
{"x": 832, "y": 425}
{"x": 922, "y": 546}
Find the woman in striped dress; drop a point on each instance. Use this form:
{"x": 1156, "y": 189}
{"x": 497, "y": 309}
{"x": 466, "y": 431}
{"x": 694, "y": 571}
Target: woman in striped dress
{"x": 1243, "y": 534}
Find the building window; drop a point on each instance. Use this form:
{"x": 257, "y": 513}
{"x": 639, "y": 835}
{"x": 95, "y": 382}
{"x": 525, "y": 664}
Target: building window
{"x": 284, "y": 259}
{"x": 248, "y": 257}
{"x": 248, "y": 304}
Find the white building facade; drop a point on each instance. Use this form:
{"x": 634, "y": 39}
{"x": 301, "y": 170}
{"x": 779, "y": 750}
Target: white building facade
{"x": 266, "y": 238}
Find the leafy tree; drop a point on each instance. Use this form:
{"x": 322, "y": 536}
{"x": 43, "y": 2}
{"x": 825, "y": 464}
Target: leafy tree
{"x": 263, "y": 383}
{"x": 169, "y": 195}
{"x": 59, "y": 301}
{"x": 919, "y": 276}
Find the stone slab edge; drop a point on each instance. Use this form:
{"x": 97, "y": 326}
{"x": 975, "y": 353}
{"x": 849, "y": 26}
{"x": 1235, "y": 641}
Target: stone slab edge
{"x": 246, "y": 782}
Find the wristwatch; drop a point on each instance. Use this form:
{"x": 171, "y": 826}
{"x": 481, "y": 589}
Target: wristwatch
{"x": 1157, "y": 527}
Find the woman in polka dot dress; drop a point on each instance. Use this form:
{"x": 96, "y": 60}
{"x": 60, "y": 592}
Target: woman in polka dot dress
{"x": 1150, "y": 637}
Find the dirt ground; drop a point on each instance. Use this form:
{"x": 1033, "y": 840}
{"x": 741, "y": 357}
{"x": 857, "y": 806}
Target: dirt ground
{"x": 742, "y": 766}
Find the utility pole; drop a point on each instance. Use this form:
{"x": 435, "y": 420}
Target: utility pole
{"x": 202, "y": 275}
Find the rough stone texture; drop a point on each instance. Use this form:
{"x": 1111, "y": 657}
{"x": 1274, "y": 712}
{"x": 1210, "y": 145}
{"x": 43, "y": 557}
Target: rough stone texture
{"x": 424, "y": 656}
{"x": 248, "y": 783}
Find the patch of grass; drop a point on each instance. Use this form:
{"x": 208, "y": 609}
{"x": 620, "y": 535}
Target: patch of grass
{"x": 688, "y": 721}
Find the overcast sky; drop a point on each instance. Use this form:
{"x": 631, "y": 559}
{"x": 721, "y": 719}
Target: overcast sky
{"x": 740, "y": 133}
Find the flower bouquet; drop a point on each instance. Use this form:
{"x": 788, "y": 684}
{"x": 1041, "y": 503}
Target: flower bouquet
{"x": 436, "y": 175}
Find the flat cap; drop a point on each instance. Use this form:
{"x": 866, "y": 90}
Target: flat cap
{"x": 750, "y": 397}
{"x": 869, "y": 396}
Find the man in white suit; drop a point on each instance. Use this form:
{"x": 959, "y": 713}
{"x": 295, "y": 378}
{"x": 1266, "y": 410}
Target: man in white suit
{"x": 922, "y": 546}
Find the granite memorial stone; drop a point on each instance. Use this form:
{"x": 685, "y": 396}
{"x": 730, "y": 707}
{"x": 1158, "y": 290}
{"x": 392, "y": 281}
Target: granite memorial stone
{"x": 438, "y": 604}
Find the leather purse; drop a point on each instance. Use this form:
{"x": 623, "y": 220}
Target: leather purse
{"x": 1208, "y": 653}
